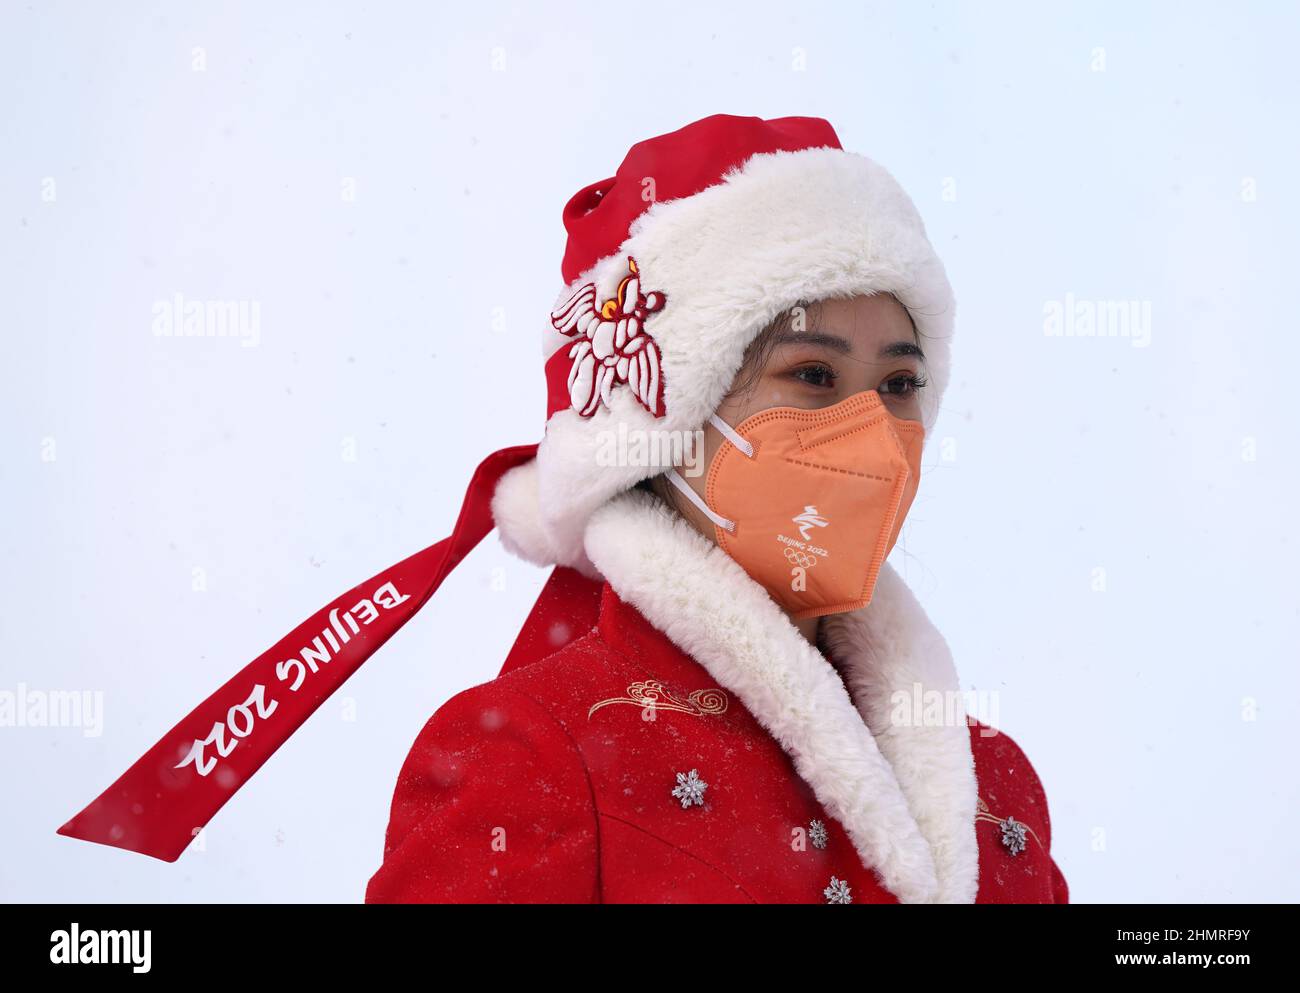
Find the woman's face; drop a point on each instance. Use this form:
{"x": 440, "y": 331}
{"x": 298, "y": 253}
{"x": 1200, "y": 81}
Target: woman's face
{"x": 857, "y": 344}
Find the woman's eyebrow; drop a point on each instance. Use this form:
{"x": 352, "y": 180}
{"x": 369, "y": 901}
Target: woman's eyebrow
{"x": 842, "y": 345}
{"x": 901, "y": 348}
{"x": 832, "y": 341}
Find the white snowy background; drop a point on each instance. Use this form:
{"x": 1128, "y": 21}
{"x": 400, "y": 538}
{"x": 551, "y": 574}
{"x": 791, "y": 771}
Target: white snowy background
{"x": 1104, "y": 531}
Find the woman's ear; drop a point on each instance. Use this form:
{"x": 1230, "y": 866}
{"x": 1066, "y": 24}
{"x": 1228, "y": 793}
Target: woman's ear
{"x": 660, "y": 487}
{"x": 667, "y": 493}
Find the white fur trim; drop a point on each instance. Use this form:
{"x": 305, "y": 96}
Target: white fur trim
{"x": 887, "y": 646}
{"x": 784, "y": 226}
{"x": 516, "y": 513}
{"x": 906, "y": 796}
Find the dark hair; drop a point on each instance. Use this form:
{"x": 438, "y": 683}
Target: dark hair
{"x": 760, "y": 349}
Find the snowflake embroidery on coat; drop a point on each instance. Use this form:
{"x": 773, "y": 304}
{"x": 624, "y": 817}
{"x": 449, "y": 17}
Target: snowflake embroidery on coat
{"x": 690, "y": 789}
{"x": 614, "y": 347}
{"x": 837, "y": 892}
{"x": 1014, "y": 832}
{"x": 817, "y": 831}
{"x": 1013, "y": 835}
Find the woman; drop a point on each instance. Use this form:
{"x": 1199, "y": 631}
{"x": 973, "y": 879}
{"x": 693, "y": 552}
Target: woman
{"x": 724, "y": 693}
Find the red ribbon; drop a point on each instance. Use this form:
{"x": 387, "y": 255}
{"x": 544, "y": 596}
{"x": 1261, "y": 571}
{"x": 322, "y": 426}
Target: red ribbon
{"x": 159, "y": 805}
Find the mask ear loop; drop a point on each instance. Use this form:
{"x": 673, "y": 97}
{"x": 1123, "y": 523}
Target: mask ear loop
{"x": 677, "y": 480}
{"x": 730, "y": 434}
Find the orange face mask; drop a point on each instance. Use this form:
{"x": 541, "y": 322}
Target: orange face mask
{"x": 810, "y": 502}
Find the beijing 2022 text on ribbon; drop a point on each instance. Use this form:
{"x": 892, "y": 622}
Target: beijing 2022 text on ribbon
{"x": 160, "y": 804}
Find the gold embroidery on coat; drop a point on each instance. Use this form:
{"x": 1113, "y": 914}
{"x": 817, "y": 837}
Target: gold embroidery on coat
{"x": 651, "y": 693}
{"x": 982, "y": 814}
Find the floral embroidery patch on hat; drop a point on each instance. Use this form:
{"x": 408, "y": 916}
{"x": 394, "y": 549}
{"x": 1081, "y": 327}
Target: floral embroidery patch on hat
{"x": 613, "y": 346}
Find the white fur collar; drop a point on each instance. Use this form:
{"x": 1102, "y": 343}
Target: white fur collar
{"x": 905, "y": 794}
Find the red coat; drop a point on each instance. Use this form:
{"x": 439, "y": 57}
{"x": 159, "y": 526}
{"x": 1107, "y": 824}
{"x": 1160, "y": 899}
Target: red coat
{"x": 624, "y": 768}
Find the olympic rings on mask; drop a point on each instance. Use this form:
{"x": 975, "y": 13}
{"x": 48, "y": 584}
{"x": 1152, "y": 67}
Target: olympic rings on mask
{"x": 800, "y": 558}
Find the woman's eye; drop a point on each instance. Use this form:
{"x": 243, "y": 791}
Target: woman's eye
{"x": 903, "y": 384}
{"x": 816, "y": 375}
